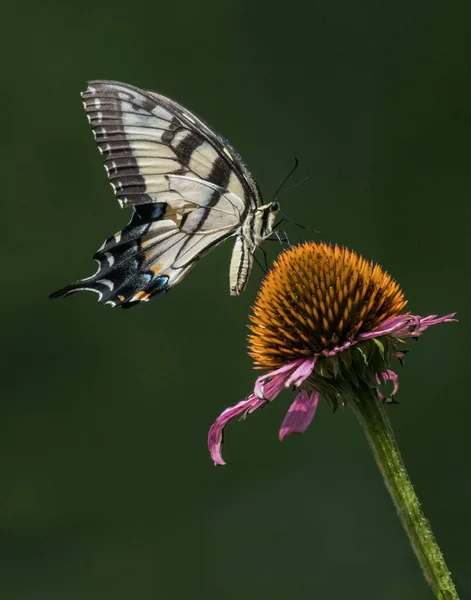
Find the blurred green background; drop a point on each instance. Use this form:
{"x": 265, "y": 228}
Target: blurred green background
{"x": 107, "y": 489}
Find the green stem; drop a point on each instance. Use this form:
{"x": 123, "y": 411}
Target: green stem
{"x": 370, "y": 411}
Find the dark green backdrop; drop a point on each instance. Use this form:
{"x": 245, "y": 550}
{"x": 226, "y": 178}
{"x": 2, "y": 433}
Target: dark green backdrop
{"x": 107, "y": 490}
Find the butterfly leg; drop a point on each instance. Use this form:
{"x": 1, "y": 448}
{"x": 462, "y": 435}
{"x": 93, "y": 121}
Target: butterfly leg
{"x": 282, "y": 239}
{"x": 264, "y": 268}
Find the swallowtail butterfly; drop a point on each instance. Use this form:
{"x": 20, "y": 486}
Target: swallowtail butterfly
{"x": 188, "y": 188}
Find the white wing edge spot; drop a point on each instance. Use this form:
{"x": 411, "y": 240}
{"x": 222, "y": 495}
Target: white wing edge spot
{"x": 87, "y": 289}
{"x": 110, "y": 258}
{"x": 106, "y": 282}
{"x": 97, "y": 270}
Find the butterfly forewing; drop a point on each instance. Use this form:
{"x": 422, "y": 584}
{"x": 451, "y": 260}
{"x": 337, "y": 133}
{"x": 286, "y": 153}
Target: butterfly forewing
{"x": 145, "y": 136}
{"x": 189, "y": 190}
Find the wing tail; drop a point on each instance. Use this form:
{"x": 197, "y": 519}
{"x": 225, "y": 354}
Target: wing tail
{"x": 123, "y": 278}
{"x": 148, "y": 257}
{"x": 126, "y": 296}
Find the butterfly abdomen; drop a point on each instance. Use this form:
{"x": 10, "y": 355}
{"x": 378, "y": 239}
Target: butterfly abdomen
{"x": 241, "y": 265}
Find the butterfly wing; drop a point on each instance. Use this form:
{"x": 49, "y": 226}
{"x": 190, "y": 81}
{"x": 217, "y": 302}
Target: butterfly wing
{"x": 189, "y": 190}
{"x": 161, "y": 243}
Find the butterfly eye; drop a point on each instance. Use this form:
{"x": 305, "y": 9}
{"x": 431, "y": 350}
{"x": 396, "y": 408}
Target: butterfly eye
{"x": 275, "y": 206}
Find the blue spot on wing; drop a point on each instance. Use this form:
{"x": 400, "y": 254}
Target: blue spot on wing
{"x": 159, "y": 285}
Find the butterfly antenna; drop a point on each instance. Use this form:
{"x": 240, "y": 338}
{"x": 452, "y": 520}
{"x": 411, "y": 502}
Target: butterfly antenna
{"x": 292, "y": 170}
{"x": 285, "y": 218}
{"x": 295, "y": 185}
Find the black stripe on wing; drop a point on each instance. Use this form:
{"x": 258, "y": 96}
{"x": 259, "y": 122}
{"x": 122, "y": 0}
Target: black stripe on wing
{"x": 220, "y": 173}
{"x": 219, "y": 142}
{"x": 145, "y": 136}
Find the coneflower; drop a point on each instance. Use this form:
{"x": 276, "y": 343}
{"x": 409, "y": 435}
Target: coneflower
{"x": 330, "y": 324}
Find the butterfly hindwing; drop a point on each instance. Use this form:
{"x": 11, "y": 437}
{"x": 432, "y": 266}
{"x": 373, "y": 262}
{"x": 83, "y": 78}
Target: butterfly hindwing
{"x": 160, "y": 244}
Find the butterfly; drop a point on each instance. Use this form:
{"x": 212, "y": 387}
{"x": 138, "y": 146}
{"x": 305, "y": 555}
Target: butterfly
{"x": 188, "y": 188}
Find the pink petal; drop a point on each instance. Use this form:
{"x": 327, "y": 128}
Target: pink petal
{"x": 426, "y": 322}
{"x": 338, "y": 349}
{"x": 391, "y": 376}
{"x": 301, "y": 373}
{"x": 246, "y": 406}
{"x": 406, "y": 326}
{"x": 300, "y": 413}
{"x": 388, "y": 376}
{"x": 388, "y": 327}
{"x": 269, "y": 390}
{"x": 277, "y": 378}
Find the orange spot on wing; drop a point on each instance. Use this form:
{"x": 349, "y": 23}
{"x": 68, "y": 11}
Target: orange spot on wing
{"x": 141, "y": 296}
{"x": 156, "y": 269}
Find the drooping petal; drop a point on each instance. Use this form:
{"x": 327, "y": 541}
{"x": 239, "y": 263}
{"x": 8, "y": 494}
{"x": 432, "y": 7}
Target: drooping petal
{"x": 301, "y": 373}
{"x": 406, "y": 326}
{"x": 272, "y": 388}
{"x": 246, "y": 406}
{"x": 300, "y": 413}
{"x": 276, "y": 380}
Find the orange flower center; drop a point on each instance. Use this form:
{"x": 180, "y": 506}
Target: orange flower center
{"x": 317, "y": 297}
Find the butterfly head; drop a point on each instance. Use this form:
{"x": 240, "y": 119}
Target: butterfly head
{"x": 265, "y": 220}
